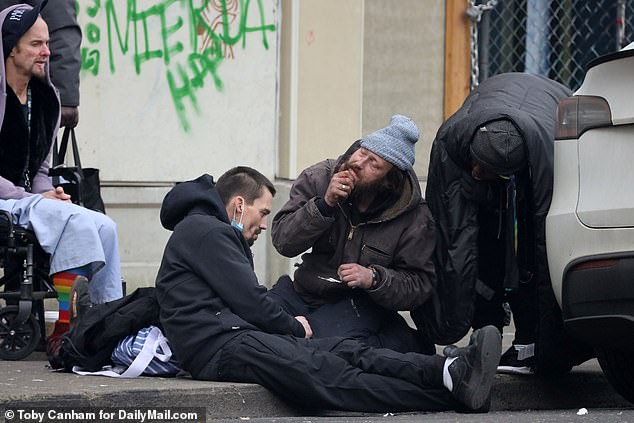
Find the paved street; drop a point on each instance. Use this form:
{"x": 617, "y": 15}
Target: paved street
{"x": 531, "y": 416}
{"x": 30, "y": 384}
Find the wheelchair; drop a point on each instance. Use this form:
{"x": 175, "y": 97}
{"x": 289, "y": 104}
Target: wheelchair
{"x": 26, "y": 284}
{"x": 26, "y": 280}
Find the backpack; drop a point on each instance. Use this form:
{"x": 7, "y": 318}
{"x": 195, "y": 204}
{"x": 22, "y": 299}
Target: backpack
{"x": 91, "y": 341}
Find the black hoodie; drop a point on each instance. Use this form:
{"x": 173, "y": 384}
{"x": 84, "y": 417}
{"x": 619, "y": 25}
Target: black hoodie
{"x": 206, "y": 287}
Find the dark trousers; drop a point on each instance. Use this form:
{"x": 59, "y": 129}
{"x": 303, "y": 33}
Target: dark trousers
{"x": 355, "y": 317}
{"x": 491, "y": 269}
{"x": 332, "y": 373}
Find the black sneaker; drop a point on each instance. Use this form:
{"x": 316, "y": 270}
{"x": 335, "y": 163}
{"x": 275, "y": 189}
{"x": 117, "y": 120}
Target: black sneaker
{"x": 473, "y": 371}
{"x": 518, "y": 360}
{"x": 79, "y": 299}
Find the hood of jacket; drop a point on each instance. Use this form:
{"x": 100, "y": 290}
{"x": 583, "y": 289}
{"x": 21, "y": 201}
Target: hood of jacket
{"x": 198, "y": 196}
{"x": 410, "y": 197}
{"x": 530, "y": 102}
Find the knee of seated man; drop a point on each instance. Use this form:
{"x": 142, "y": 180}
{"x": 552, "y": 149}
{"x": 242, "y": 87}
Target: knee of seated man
{"x": 103, "y": 223}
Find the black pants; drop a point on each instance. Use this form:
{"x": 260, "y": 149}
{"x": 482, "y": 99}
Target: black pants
{"x": 491, "y": 266}
{"x": 332, "y": 373}
{"x": 355, "y": 317}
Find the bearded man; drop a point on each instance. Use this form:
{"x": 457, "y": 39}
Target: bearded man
{"x": 371, "y": 239}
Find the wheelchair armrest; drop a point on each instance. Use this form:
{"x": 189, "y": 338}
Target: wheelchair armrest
{"x": 6, "y": 220}
{"x": 6, "y": 228}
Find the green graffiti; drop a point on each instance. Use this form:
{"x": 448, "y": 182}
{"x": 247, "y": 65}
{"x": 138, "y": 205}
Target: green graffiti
{"x": 111, "y": 20}
{"x": 93, "y": 33}
{"x": 188, "y": 67}
{"x": 200, "y": 66}
{"x": 90, "y": 60}
{"x": 91, "y": 11}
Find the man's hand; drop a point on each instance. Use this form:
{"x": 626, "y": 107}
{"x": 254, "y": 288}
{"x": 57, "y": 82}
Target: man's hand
{"x": 70, "y": 117}
{"x": 307, "y": 328}
{"x": 57, "y": 194}
{"x": 355, "y": 276}
{"x": 340, "y": 187}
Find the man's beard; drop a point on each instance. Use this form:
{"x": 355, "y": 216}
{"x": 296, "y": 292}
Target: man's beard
{"x": 364, "y": 190}
{"x": 39, "y": 75}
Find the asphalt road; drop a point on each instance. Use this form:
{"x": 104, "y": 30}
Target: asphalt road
{"x": 516, "y": 399}
{"x": 592, "y": 416}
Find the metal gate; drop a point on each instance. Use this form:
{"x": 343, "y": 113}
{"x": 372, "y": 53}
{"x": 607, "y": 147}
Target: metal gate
{"x": 554, "y": 38}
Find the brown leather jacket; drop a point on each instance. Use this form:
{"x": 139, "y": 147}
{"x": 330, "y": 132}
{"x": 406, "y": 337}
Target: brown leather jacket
{"x": 398, "y": 244}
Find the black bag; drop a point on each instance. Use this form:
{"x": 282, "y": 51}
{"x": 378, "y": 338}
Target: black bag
{"x": 82, "y": 184}
{"x": 89, "y": 344}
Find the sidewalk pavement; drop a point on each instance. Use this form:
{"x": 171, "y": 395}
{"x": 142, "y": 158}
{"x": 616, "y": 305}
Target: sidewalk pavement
{"x": 30, "y": 384}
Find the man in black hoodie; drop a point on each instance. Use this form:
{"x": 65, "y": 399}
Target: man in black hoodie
{"x": 223, "y": 326}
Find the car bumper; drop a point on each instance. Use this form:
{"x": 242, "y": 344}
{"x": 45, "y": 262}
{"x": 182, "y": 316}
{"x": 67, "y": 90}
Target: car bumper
{"x": 598, "y": 300}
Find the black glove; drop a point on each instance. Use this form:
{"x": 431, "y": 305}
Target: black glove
{"x": 70, "y": 117}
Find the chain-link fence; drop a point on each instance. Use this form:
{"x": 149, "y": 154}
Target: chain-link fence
{"x": 554, "y": 38}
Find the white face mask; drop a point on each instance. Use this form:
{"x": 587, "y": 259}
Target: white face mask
{"x": 239, "y": 224}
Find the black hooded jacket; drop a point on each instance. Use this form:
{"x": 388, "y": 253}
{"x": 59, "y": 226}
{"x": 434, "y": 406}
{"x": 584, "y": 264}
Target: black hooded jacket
{"x": 206, "y": 287}
{"x": 530, "y": 102}
{"x": 15, "y": 151}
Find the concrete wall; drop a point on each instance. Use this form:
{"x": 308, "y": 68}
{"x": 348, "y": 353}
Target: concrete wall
{"x": 347, "y": 67}
{"x": 321, "y": 81}
{"x": 169, "y": 92}
{"x": 403, "y": 67}
{"x": 292, "y": 82}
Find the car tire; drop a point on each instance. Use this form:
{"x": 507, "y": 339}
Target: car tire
{"x": 618, "y": 367}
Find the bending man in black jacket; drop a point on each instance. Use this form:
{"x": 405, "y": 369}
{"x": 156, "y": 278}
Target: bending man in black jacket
{"x": 489, "y": 189}
{"x": 223, "y": 326}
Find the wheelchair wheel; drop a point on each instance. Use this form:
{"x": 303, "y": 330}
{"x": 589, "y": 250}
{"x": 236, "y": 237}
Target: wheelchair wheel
{"x": 19, "y": 343}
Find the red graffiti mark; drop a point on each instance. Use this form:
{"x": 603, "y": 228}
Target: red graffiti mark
{"x": 310, "y": 37}
{"x": 215, "y": 8}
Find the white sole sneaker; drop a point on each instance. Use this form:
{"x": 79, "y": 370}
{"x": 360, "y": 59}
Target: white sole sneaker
{"x": 513, "y": 370}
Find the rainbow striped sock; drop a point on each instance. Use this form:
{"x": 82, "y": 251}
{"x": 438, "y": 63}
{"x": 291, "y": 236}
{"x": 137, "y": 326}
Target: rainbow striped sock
{"x": 62, "y": 281}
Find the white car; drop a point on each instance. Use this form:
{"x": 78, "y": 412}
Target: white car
{"x": 590, "y": 225}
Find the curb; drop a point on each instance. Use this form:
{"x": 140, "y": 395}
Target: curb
{"x": 30, "y": 384}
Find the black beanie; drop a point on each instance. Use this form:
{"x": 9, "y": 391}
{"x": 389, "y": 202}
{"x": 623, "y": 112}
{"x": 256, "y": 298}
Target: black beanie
{"x": 499, "y": 147}
{"x": 17, "y": 22}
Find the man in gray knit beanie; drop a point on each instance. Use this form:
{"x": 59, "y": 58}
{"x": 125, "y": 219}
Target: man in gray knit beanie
{"x": 395, "y": 142}
{"x": 371, "y": 238}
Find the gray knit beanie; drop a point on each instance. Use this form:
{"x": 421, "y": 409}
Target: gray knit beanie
{"x": 499, "y": 147}
{"x": 394, "y": 143}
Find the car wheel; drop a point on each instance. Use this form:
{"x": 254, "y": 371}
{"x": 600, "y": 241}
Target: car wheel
{"x": 618, "y": 367}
